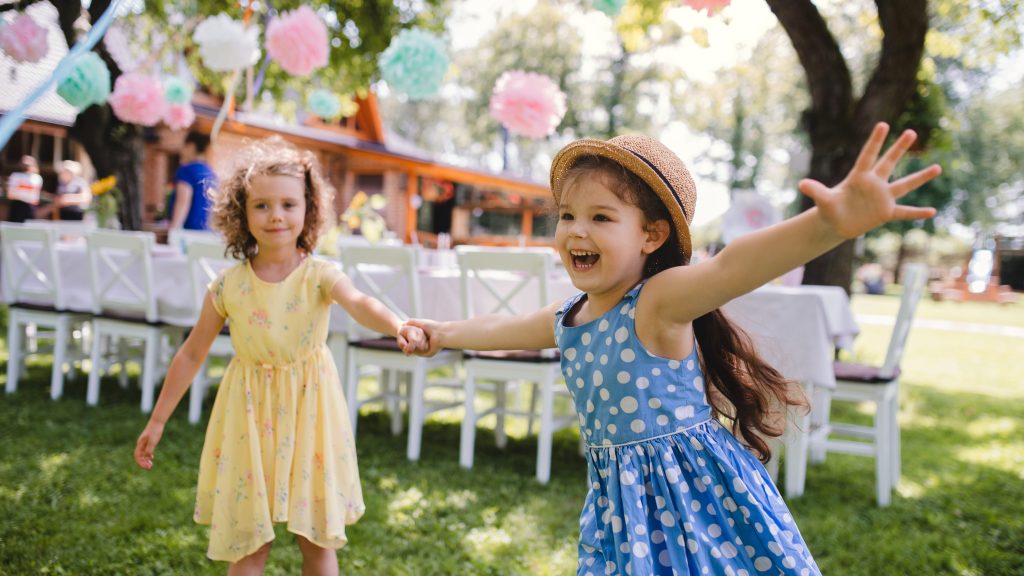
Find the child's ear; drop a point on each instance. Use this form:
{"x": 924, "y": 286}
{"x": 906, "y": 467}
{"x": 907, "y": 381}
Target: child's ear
{"x": 657, "y": 234}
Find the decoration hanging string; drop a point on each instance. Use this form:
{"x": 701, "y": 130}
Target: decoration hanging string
{"x": 13, "y": 119}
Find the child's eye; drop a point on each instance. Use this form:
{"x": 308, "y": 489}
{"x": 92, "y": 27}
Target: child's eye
{"x": 565, "y": 216}
{"x": 602, "y": 218}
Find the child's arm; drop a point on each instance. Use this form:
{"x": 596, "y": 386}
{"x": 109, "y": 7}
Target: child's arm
{"x": 864, "y": 200}
{"x": 533, "y": 331}
{"x": 367, "y": 310}
{"x": 187, "y": 361}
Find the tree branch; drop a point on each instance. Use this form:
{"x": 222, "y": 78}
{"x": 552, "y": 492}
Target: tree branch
{"x": 886, "y": 94}
{"x": 828, "y": 76}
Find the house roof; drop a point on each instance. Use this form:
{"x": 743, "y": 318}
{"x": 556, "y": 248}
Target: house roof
{"x": 20, "y": 79}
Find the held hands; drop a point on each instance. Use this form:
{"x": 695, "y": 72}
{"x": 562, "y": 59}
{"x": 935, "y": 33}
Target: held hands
{"x": 430, "y": 345}
{"x": 412, "y": 339}
{"x": 146, "y": 444}
{"x": 866, "y": 199}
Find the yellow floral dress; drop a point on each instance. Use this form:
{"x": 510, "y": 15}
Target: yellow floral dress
{"x": 279, "y": 445}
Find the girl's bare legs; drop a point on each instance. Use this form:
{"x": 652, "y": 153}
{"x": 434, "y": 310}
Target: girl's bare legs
{"x": 251, "y": 565}
{"x": 317, "y": 561}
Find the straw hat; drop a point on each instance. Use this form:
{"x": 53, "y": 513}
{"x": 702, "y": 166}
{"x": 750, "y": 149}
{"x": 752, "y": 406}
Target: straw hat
{"x": 649, "y": 159}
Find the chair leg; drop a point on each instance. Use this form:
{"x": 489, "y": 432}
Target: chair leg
{"x": 533, "y": 407}
{"x": 195, "y": 396}
{"x": 352, "y": 390}
{"x": 122, "y": 354}
{"x": 547, "y": 399}
{"x": 60, "y": 345}
{"x": 14, "y": 357}
{"x": 796, "y": 438}
{"x": 416, "y": 415}
{"x": 92, "y": 395}
{"x": 883, "y": 453}
{"x": 467, "y": 436}
{"x": 894, "y": 419}
{"x": 391, "y": 384}
{"x": 500, "y": 406}
{"x": 149, "y": 367}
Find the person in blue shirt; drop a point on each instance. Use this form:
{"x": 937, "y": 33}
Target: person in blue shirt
{"x": 189, "y": 202}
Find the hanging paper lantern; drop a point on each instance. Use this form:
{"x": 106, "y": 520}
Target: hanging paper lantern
{"x": 324, "y": 104}
{"x": 610, "y": 7}
{"x": 225, "y": 44}
{"x": 179, "y": 116}
{"x": 709, "y": 6}
{"x": 297, "y": 40}
{"x": 23, "y": 39}
{"x": 177, "y": 90}
{"x": 414, "y": 64}
{"x": 88, "y": 82}
{"x": 527, "y": 103}
{"x": 138, "y": 99}
{"x": 120, "y": 49}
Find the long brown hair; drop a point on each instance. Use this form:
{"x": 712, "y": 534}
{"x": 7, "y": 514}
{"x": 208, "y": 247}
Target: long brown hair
{"x": 730, "y": 362}
{"x": 270, "y": 156}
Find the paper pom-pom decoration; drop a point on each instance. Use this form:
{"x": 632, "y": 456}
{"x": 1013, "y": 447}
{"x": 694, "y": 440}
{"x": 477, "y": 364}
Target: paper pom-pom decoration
{"x": 138, "y": 99}
{"x": 415, "y": 63}
{"x": 179, "y": 116}
{"x": 23, "y": 39}
{"x": 709, "y": 6}
{"x": 177, "y": 91}
{"x": 610, "y": 7}
{"x": 225, "y": 44}
{"x": 297, "y": 40}
{"x": 527, "y": 103}
{"x": 88, "y": 82}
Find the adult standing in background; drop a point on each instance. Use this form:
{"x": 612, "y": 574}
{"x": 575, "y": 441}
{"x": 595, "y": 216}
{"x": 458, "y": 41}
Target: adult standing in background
{"x": 189, "y": 202}
{"x": 23, "y": 189}
{"x": 73, "y": 193}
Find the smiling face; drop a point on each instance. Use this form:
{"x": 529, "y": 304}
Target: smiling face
{"x": 603, "y": 241}
{"x": 275, "y": 209}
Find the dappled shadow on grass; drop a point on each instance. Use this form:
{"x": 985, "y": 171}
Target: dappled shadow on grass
{"x": 957, "y": 511}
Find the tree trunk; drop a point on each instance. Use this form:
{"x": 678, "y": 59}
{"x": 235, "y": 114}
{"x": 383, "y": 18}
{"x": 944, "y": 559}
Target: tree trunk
{"x": 114, "y": 147}
{"x": 836, "y": 123}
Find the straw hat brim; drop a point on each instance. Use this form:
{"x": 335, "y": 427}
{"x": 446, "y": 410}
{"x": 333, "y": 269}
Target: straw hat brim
{"x": 571, "y": 153}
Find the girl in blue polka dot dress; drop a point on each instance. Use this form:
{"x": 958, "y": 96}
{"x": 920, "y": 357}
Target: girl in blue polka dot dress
{"x": 654, "y": 366}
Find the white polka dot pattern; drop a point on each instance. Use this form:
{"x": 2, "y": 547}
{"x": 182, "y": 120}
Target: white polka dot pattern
{"x": 671, "y": 490}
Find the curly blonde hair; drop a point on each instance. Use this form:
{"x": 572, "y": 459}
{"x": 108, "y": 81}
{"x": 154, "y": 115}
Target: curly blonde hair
{"x": 270, "y": 157}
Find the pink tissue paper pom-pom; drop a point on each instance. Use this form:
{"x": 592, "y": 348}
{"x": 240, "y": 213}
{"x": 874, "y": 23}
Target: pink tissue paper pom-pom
{"x": 298, "y": 41}
{"x": 138, "y": 99}
{"x": 710, "y": 6}
{"x": 179, "y": 116}
{"x": 24, "y": 40}
{"x": 527, "y": 103}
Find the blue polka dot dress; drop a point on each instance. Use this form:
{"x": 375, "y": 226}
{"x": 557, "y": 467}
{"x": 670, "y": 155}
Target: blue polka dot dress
{"x": 671, "y": 491}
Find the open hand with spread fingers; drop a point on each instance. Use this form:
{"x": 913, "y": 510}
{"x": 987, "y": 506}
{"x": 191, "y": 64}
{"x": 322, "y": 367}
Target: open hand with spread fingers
{"x": 866, "y": 198}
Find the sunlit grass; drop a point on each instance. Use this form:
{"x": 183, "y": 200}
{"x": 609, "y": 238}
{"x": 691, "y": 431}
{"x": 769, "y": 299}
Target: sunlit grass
{"x": 73, "y": 502}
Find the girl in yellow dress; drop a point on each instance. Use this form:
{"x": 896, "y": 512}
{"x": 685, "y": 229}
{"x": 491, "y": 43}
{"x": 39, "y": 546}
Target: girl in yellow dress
{"x": 279, "y": 444}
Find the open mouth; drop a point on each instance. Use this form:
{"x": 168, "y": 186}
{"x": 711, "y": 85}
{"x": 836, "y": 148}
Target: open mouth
{"x": 583, "y": 260}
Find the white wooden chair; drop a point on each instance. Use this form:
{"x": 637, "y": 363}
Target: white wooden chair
{"x": 125, "y": 309}
{"x": 880, "y": 385}
{"x": 34, "y": 289}
{"x": 206, "y": 259}
{"x": 65, "y": 229}
{"x": 389, "y": 273}
{"x": 180, "y": 238}
{"x": 504, "y": 281}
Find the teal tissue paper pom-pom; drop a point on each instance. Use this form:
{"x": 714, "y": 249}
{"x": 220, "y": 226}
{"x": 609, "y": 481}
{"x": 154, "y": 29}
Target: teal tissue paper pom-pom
{"x": 414, "y": 64}
{"x": 177, "y": 91}
{"x": 610, "y": 7}
{"x": 324, "y": 104}
{"x": 87, "y": 84}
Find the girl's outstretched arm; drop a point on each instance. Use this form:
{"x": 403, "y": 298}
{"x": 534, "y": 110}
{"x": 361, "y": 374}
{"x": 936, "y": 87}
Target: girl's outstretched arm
{"x": 533, "y": 331}
{"x": 864, "y": 200}
{"x": 367, "y": 310}
{"x": 187, "y": 361}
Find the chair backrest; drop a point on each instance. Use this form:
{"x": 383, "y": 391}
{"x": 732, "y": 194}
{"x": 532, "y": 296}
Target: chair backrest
{"x": 206, "y": 259}
{"x": 179, "y": 238}
{"x": 67, "y": 229}
{"x": 31, "y": 271}
{"x": 387, "y": 273}
{"x": 121, "y": 273}
{"x": 914, "y": 278}
{"x": 513, "y": 281}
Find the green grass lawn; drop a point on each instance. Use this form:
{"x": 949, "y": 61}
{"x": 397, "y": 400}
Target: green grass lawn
{"x": 73, "y": 502}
